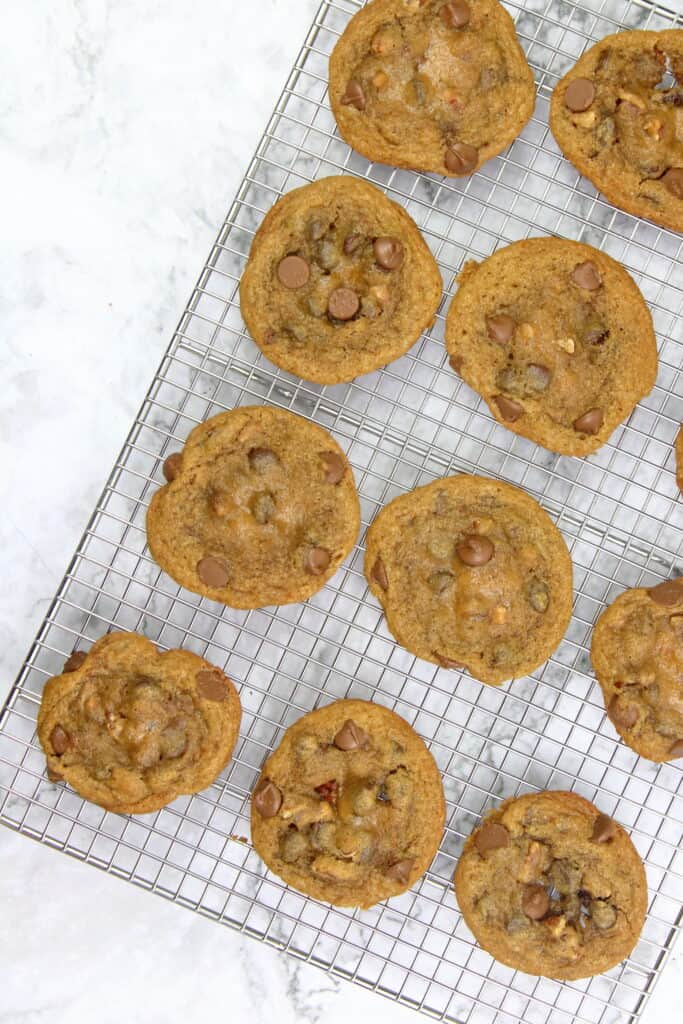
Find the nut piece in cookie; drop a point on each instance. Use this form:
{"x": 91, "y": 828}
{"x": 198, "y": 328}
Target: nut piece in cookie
{"x": 131, "y": 728}
{"x": 637, "y": 654}
{"x": 551, "y": 886}
{"x": 557, "y": 339}
{"x": 261, "y": 510}
{"x": 472, "y": 575}
{"x": 339, "y": 281}
{"x": 618, "y": 116}
{"x": 429, "y": 85}
{"x": 349, "y": 809}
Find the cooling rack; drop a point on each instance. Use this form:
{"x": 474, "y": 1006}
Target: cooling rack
{"x": 404, "y": 426}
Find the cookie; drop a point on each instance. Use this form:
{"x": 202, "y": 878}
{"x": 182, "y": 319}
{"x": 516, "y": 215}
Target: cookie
{"x": 679, "y": 459}
{"x": 550, "y": 886}
{"x": 130, "y": 728}
{"x": 429, "y": 85}
{"x": 339, "y": 282}
{"x": 556, "y": 338}
{"x": 350, "y": 807}
{"x": 618, "y": 116}
{"x": 472, "y": 574}
{"x": 260, "y": 509}
{"x": 637, "y": 654}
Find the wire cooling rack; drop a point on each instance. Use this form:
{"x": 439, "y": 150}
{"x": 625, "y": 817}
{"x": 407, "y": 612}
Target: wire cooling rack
{"x": 619, "y": 511}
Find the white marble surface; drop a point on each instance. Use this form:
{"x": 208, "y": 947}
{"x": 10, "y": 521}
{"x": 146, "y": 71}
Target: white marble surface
{"x": 125, "y": 127}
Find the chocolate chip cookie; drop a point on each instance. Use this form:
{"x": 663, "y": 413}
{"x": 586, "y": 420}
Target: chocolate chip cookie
{"x": 550, "y": 886}
{"x": 131, "y": 728}
{"x": 637, "y": 654}
{"x": 556, "y": 338}
{"x": 260, "y": 509}
{"x": 339, "y": 282}
{"x": 429, "y": 85}
{"x": 350, "y": 807}
{"x": 472, "y": 574}
{"x": 618, "y": 116}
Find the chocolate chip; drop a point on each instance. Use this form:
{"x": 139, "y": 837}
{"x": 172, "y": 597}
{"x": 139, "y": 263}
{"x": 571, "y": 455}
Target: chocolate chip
{"x": 350, "y": 736}
{"x": 676, "y": 749}
{"x": 491, "y": 837}
{"x": 535, "y": 902}
{"x": 668, "y": 593}
{"x": 379, "y": 574}
{"x": 590, "y": 422}
{"x": 461, "y": 159}
{"x": 317, "y": 561}
{"x": 293, "y": 272}
{"x": 500, "y": 328}
{"x": 596, "y": 335}
{"x": 455, "y": 14}
{"x": 354, "y": 95}
{"x": 74, "y": 661}
{"x": 580, "y": 95}
{"x": 60, "y": 740}
{"x": 343, "y": 304}
{"x": 509, "y": 410}
{"x": 213, "y": 572}
{"x": 172, "y": 466}
{"x": 267, "y": 798}
{"x": 604, "y": 829}
{"x": 328, "y": 791}
{"x": 587, "y": 276}
{"x": 400, "y": 871}
{"x": 456, "y": 666}
{"x": 673, "y": 179}
{"x": 538, "y": 376}
{"x": 622, "y": 714}
{"x": 262, "y": 459}
{"x": 475, "y": 550}
{"x": 455, "y": 363}
{"x": 389, "y": 252}
{"x": 211, "y": 684}
{"x": 335, "y": 467}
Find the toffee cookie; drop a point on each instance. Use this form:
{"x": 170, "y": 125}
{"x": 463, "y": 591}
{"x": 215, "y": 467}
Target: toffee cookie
{"x": 618, "y": 117}
{"x": 637, "y": 654}
{"x": 130, "y": 728}
{"x": 339, "y": 282}
{"x": 556, "y": 338}
{"x": 472, "y": 574}
{"x": 350, "y": 807}
{"x": 429, "y": 85}
{"x": 260, "y": 509}
{"x": 550, "y": 886}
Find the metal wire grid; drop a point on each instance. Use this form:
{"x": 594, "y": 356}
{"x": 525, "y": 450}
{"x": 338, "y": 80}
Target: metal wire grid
{"x": 401, "y": 427}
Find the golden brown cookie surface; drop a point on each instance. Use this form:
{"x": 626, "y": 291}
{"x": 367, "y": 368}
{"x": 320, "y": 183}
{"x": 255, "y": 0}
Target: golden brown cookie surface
{"x": 260, "y": 509}
{"x": 429, "y": 85}
{"x": 557, "y": 339}
{"x": 130, "y": 728}
{"x": 473, "y": 574}
{"x": 637, "y": 654}
{"x": 619, "y": 119}
{"x": 339, "y": 281}
{"x": 550, "y": 886}
{"x": 350, "y": 808}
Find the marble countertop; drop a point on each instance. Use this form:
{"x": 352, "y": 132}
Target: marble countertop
{"x": 126, "y": 127}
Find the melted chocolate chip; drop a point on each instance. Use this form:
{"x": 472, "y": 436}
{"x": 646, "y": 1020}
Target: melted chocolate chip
{"x": 668, "y": 593}
{"x": 351, "y": 736}
{"x": 335, "y": 467}
{"x": 213, "y": 572}
{"x": 60, "y": 740}
{"x": 354, "y": 95}
{"x": 580, "y": 95}
{"x": 491, "y": 837}
{"x": 455, "y": 14}
{"x": 74, "y": 661}
{"x": 475, "y": 550}
{"x": 379, "y": 574}
{"x": 293, "y": 272}
{"x": 500, "y": 328}
{"x": 172, "y": 466}
{"x": 212, "y": 685}
{"x": 343, "y": 304}
{"x": 317, "y": 561}
{"x": 267, "y": 799}
{"x": 604, "y": 829}
{"x": 400, "y": 871}
{"x": 508, "y": 409}
{"x": 389, "y": 252}
{"x": 590, "y": 422}
{"x": 461, "y": 159}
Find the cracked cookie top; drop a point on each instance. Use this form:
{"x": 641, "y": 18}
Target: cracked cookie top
{"x": 260, "y": 509}
{"x": 618, "y": 116}
{"x": 430, "y": 85}
{"x": 339, "y": 281}
{"x": 557, "y": 339}
{"x": 637, "y": 654}
{"x": 550, "y": 886}
{"x": 131, "y": 728}
{"x": 472, "y": 574}
{"x": 350, "y": 808}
